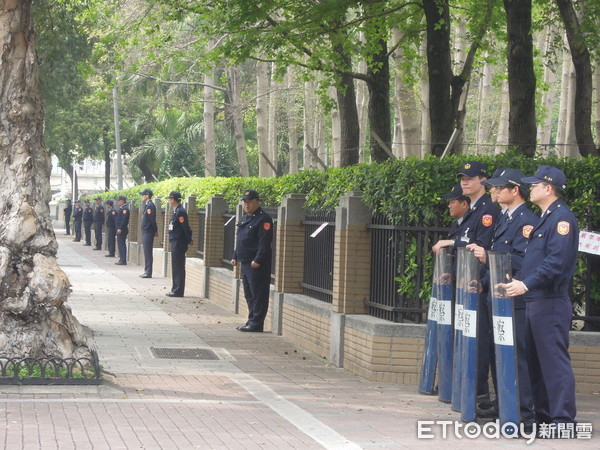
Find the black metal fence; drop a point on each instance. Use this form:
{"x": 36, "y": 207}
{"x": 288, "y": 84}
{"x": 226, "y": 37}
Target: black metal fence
{"x": 201, "y": 229}
{"x": 319, "y": 239}
{"x": 401, "y": 262}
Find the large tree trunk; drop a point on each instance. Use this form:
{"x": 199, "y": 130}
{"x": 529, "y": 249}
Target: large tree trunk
{"x": 349, "y": 121}
{"x": 272, "y": 127}
{"x": 34, "y": 320}
{"x": 439, "y": 69}
{"x": 378, "y": 74}
{"x": 309, "y": 124}
{"x": 502, "y": 136}
{"x": 521, "y": 77}
{"x": 597, "y": 87}
{"x": 238, "y": 119}
{"x": 545, "y": 129}
{"x": 262, "y": 120}
{"x": 210, "y": 157}
{"x": 292, "y": 131}
{"x": 362, "y": 106}
{"x": 484, "y": 109}
{"x": 565, "y": 136}
{"x": 583, "y": 73}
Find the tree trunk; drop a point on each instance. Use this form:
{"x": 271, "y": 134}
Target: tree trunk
{"x": 426, "y": 146}
{"x": 210, "y": 156}
{"x": 34, "y": 320}
{"x": 521, "y": 77}
{"x": 336, "y": 132}
{"x": 570, "y": 147}
{"x": 565, "y": 136}
{"x": 597, "y": 87}
{"x": 439, "y": 69}
{"x": 292, "y": 131}
{"x": 262, "y": 120}
{"x": 378, "y": 73}
{"x": 309, "y": 123}
{"x": 502, "y": 136}
{"x": 362, "y": 105}
{"x": 238, "y": 120}
{"x": 583, "y": 72}
{"x": 349, "y": 120}
{"x": 407, "y": 133}
{"x": 484, "y": 111}
{"x": 272, "y": 127}
{"x": 545, "y": 130}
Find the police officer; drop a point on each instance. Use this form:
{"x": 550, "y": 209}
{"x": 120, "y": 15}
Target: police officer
{"x": 77, "y": 216}
{"x": 548, "y": 267}
{"x": 88, "y": 218}
{"x": 458, "y": 205}
{"x": 68, "y": 210}
{"x": 99, "y": 218}
{"x": 122, "y": 223}
{"x": 253, "y": 251}
{"x": 180, "y": 236}
{"x": 149, "y": 231}
{"x": 111, "y": 228}
{"x": 477, "y": 227}
{"x": 511, "y": 235}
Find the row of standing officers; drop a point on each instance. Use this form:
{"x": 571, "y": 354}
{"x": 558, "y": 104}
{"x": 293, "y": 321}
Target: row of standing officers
{"x": 116, "y": 219}
{"x": 543, "y": 257}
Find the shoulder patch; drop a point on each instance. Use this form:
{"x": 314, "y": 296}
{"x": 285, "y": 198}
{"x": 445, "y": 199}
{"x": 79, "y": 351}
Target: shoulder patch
{"x": 124, "y": 211}
{"x": 148, "y": 211}
{"x": 487, "y": 220}
{"x": 114, "y": 212}
{"x": 563, "y": 227}
{"x": 527, "y": 229}
{"x": 267, "y": 226}
{"x": 182, "y": 219}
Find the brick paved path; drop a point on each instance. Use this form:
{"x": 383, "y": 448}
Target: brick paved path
{"x": 262, "y": 392}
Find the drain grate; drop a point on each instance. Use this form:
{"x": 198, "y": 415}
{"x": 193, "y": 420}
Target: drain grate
{"x": 183, "y": 353}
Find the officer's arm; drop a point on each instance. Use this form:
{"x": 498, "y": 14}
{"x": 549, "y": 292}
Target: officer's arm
{"x": 265, "y": 238}
{"x": 125, "y": 218}
{"x": 485, "y": 230}
{"x": 153, "y": 224}
{"x": 557, "y": 246}
{"x": 519, "y": 245}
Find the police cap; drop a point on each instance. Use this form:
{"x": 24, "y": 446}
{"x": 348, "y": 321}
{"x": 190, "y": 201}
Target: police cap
{"x": 455, "y": 194}
{"x": 109, "y": 202}
{"x": 507, "y": 176}
{"x": 175, "y": 195}
{"x": 473, "y": 169}
{"x": 146, "y": 192}
{"x": 550, "y": 175}
{"x": 122, "y": 197}
{"x": 250, "y": 194}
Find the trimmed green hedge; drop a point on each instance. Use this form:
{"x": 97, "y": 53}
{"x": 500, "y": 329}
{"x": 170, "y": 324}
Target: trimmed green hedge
{"x": 408, "y": 188}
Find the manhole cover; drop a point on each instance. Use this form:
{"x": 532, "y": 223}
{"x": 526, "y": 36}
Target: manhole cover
{"x": 183, "y": 353}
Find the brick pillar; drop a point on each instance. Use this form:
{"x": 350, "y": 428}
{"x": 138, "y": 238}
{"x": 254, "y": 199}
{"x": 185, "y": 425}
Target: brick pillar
{"x": 194, "y": 218}
{"x": 289, "y": 260}
{"x": 134, "y": 224}
{"x": 352, "y": 259}
{"x": 351, "y": 269}
{"x": 165, "y": 226}
{"x": 160, "y": 221}
{"x": 214, "y": 231}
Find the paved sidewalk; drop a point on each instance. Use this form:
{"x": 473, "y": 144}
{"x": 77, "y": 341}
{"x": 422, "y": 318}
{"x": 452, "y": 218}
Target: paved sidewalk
{"x": 262, "y": 392}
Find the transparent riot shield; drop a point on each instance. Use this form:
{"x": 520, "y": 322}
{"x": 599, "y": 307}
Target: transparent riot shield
{"x": 468, "y": 275}
{"x": 444, "y": 325}
{"x": 430, "y": 352}
{"x": 461, "y": 291}
{"x": 504, "y": 338}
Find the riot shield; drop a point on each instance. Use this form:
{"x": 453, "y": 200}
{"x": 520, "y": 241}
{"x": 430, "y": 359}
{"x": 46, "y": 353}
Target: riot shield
{"x": 444, "y": 325}
{"x": 462, "y": 290}
{"x": 430, "y": 352}
{"x": 504, "y": 342}
{"x": 468, "y": 275}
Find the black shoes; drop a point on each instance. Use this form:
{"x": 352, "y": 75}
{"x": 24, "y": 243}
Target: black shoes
{"x": 96, "y": 248}
{"x": 121, "y": 263}
{"x": 249, "y": 329}
{"x": 171, "y": 294}
{"x": 145, "y": 275}
{"x": 76, "y": 240}
{"x": 109, "y": 256}
{"x": 87, "y": 245}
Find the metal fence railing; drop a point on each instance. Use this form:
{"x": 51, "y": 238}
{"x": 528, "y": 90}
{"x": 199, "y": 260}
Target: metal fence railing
{"x": 319, "y": 239}
{"x": 200, "y": 235}
{"x": 401, "y": 260}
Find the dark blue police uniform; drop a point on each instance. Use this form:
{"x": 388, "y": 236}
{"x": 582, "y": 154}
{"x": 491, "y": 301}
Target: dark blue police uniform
{"x": 512, "y": 235}
{"x": 77, "y": 216}
{"x": 122, "y": 222}
{"x": 98, "y": 223}
{"x": 180, "y": 236}
{"x": 111, "y": 230}
{"x": 478, "y": 227}
{"x": 68, "y": 211}
{"x": 548, "y": 267}
{"x": 253, "y": 243}
{"x": 88, "y": 218}
{"x": 149, "y": 229}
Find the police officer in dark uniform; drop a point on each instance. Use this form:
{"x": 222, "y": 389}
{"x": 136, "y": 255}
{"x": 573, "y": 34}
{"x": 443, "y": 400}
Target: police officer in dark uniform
{"x": 547, "y": 270}
{"x": 477, "y": 227}
{"x": 511, "y": 235}
{"x": 77, "y": 216}
{"x": 458, "y": 205}
{"x": 180, "y": 236}
{"x": 149, "y": 231}
{"x": 88, "y": 218}
{"x": 99, "y": 218}
{"x": 111, "y": 228}
{"x": 253, "y": 251}
{"x": 68, "y": 210}
{"x": 122, "y": 223}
